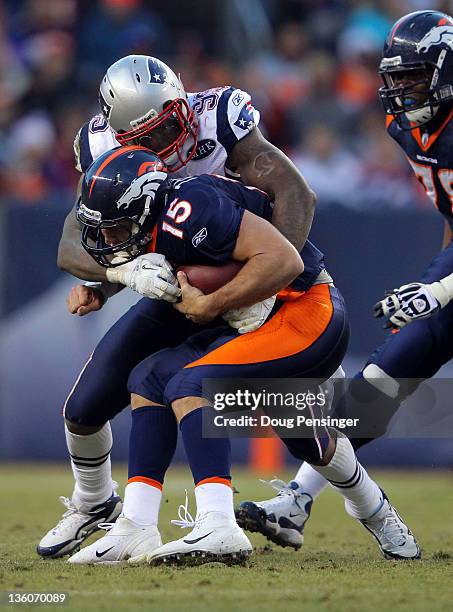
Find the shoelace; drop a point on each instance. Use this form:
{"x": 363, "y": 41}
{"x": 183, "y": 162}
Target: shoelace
{"x": 392, "y": 524}
{"x": 72, "y": 508}
{"x": 106, "y": 526}
{"x": 279, "y": 485}
{"x": 186, "y": 520}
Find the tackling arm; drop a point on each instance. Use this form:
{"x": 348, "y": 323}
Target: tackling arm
{"x": 262, "y": 165}
{"x": 72, "y": 257}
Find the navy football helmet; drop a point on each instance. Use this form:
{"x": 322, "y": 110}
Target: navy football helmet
{"x": 417, "y": 67}
{"x": 120, "y": 203}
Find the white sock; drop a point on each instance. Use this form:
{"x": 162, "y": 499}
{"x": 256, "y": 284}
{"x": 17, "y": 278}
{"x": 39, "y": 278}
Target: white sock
{"x": 309, "y": 480}
{"x": 90, "y": 461}
{"x": 363, "y": 498}
{"x": 214, "y": 497}
{"x": 141, "y": 503}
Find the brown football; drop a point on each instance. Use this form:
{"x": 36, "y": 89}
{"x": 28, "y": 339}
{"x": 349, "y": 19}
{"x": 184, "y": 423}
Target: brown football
{"x": 210, "y": 278}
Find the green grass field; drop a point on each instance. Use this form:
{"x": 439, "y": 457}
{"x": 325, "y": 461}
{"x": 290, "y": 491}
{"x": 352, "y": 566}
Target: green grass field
{"x": 339, "y": 567}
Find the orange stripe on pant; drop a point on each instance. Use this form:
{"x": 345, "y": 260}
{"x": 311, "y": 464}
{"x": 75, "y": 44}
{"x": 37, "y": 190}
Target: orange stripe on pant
{"x": 292, "y": 329}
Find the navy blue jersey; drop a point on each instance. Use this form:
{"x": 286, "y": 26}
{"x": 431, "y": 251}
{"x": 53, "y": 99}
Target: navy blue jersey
{"x": 201, "y": 220}
{"x": 431, "y": 158}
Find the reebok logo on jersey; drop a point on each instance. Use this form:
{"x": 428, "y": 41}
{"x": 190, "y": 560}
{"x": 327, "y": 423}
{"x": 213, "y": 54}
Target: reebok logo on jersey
{"x": 237, "y": 99}
{"x": 199, "y": 236}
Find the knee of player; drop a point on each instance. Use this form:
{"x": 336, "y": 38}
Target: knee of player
{"x": 80, "y": 429}
{"x": 381, "y": 381}
{"x": 185, "y": 405}
{"x": 156, "y": 369}
{"x": 147, "y": 370}
{"x": 140, "y": 401}
{"x": 78, "y": 414}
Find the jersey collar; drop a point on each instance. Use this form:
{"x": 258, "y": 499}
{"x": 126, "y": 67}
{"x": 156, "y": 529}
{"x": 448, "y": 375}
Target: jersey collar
{"x": 417, "y": 134}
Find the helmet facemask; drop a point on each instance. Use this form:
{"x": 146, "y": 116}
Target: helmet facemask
{"x": 172, "y": 135}
{"x": 418, "y": 100}
{"x": 127, "y": 236}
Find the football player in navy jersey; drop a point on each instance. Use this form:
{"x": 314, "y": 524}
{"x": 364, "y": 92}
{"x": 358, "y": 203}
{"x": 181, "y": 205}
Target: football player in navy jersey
{"x": 128, "y": 207}
{"x": 216, "y": 131}
{"x": 417, "y": 70}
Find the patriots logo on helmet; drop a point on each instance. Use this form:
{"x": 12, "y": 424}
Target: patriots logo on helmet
{"x": 157, "y": 71}
{"x": 106, "y": 108}
{"x": 436, "y": 36}
{"x": 145, "y": 185}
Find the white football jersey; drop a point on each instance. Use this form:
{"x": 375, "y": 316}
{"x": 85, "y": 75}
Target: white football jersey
{"x": 225, "y": 116}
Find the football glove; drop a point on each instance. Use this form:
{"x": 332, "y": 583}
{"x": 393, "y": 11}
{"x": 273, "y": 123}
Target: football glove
{"x": 413, "y": 302}
{"x": 250, "y": 318}
{"x": 150, "y": 275}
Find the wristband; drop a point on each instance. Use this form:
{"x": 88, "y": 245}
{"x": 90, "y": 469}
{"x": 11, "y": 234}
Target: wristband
{"x": 442, "y": 290}
{"x": 107, "y": 290}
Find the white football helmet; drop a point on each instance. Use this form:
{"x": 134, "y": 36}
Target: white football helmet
{"x": 145, "y": 103}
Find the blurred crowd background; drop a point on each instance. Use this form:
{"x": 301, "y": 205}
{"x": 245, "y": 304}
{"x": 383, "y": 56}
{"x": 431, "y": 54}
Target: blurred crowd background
{"x": 310, "y": 65}
{"x": 311, "y": 68}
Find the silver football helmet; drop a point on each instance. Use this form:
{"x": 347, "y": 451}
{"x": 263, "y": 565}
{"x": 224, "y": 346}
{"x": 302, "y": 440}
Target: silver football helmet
{"x": 145, "y": 103}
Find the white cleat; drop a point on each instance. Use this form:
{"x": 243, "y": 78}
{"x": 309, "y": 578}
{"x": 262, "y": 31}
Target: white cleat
{"x": 394, "y": 537}
{"x": 76, "y": 526}
{"x": 124, "y": 540}
{"x": 215, "y": 537}
{"x": 282, "y": 518}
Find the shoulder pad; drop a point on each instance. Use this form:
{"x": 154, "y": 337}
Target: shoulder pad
{"x": 236, "y": 117}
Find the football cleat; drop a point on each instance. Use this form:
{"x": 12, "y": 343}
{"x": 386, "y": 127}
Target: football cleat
{"x": 76, "y": 526}
{"x": 281, "y": 519}
{"x": 125, "y": 539}
{"x": 215, "y": 536}
{"x": 395, "y": 539}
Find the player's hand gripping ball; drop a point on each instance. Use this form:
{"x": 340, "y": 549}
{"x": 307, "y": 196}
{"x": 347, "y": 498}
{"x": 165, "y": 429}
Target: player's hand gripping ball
{"x": 196, "y": 283}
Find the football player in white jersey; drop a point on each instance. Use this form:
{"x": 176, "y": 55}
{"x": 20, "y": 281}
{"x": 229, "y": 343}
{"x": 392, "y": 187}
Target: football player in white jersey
{"x": 216, "y": 131}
